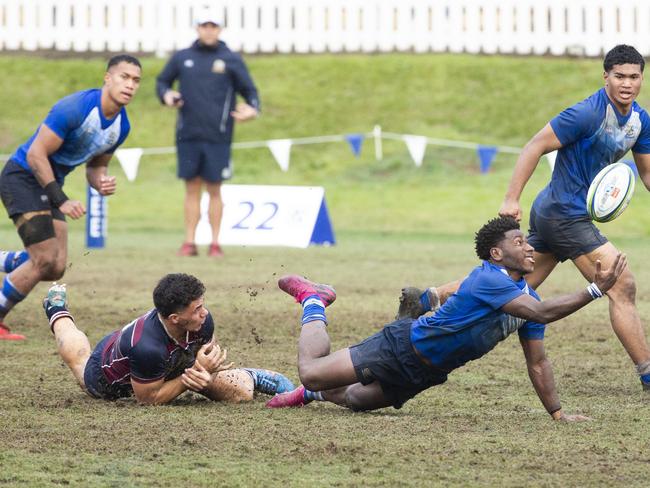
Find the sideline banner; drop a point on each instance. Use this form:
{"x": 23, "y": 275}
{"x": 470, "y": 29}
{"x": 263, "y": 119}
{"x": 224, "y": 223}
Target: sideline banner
{"x": 96, "y": 219}
{"x": 264, "y": 215}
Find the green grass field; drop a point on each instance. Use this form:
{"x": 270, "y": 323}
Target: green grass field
{"x": 395, "y": 225}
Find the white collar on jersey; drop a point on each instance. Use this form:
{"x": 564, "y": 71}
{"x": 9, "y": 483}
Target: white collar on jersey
{"x": 525, "y": 290}
{"x": 187, "y": 332}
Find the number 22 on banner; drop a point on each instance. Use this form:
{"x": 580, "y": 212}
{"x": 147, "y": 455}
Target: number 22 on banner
{"x": 270, "y": 209}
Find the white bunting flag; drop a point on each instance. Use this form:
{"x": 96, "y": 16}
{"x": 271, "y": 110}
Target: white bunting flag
{"x": 129, "y": 160}
{"x": 376, "y": 133}
{"x": 416, "y": 146}
{"x": 551, "y": 159}
{"x": 281, "y": 150}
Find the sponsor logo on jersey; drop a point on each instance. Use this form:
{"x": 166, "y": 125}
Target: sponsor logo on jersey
{"x": 631, "y": 132}
{"x": 219, "y": 66}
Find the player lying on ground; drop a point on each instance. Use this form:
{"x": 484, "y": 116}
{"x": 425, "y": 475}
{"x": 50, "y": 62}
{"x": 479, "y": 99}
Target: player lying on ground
{"x": 10, "y": 260}
{"x": 409, "y": 356}
{"x": 158, "y": 356}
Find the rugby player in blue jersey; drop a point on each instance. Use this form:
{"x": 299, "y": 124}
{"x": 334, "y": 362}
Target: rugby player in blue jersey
{"x": 411, "y": 355}
{"x": 588, "y": 136}
{"x": 83, "y": 128}
{"x": 159, "y": 355}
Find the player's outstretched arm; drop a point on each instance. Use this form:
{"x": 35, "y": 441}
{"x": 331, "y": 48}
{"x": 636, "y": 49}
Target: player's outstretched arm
{"x": 543, "y": 142}
{"x": 556, "y": 308}
{"x": 540, "y": 372}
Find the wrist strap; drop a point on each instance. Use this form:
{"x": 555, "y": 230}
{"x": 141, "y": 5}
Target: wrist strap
{"x": 425, "y": 301}
{"x": 55, "y": 194}
{"x": 594, "y": 291}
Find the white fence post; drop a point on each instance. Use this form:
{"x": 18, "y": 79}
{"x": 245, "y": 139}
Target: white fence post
{"x": 557, "y": 27}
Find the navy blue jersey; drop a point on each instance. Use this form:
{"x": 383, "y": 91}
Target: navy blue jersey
{"x": 78, "y": 120}
{"x": 593, "y": 134}
{"x": 143, "y": 350}
{"x": 471, "y": 323}
{"x": 209, "y": 79}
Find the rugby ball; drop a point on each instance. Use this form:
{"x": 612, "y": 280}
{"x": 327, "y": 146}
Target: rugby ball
{"x": 610, "y": 192}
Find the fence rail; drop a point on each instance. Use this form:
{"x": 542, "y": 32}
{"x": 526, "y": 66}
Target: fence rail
{"x": 556, "y": 27}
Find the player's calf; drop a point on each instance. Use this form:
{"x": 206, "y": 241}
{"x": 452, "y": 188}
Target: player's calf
{"x": 9, "y": 296}
{"x": 10, "y": 260}
{"x": 72, "y": 344}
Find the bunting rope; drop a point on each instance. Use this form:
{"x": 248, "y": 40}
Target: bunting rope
{"x": 327, "y": 138}
{"x": 129, "y": 158}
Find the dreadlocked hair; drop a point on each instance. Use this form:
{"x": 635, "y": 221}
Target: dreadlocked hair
{"x": 491, "y": 234}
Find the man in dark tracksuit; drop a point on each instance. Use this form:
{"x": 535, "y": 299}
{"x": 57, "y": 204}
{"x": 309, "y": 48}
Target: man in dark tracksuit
{"x": 210, "y": 76}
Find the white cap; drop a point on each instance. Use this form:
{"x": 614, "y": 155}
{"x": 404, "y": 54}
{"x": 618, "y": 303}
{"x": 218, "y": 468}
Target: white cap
{"x": 207, "y": 15}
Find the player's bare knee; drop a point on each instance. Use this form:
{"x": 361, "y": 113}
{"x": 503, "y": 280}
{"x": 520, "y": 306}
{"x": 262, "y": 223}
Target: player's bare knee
{"x": 624, "y": 289}
{"x": 52, "y": 271}
{"x": 58, "y": 270}
{"x": 239, "y": 396}
{"x": 309, "y": 377}
{"x": 46, "y": 266}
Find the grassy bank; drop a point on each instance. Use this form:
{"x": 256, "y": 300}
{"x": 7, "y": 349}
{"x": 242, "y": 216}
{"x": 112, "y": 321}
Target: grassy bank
{"x": 395, "y": 224}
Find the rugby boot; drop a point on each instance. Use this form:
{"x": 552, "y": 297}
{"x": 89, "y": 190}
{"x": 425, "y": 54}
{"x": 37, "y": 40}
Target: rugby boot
{"x": 57, "y": 296}
{"x": 7, "y": 335}
{"x": 270, "y": 382}
{"x": 187, "y": 249}
{"x": 295, "y": 398}
{"x": 55, "y": 304}
{"x": 413, "y": 303}
{"x": 300, "y": 288}
{"x": 215, "y": 251}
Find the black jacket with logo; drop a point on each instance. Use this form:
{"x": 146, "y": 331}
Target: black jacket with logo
{"x": 209, "y": 78}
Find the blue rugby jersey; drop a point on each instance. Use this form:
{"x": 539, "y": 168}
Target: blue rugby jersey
{"x": 78, "y": 120}
{"x": 143, "y": 350}
{"x": 593, "y": 135}
{"x": 466, "y": 326}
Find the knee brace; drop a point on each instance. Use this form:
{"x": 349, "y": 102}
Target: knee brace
{"x": 37, "y": 229}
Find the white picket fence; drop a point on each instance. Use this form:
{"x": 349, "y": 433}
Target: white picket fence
{"x": 556, "y": 27}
